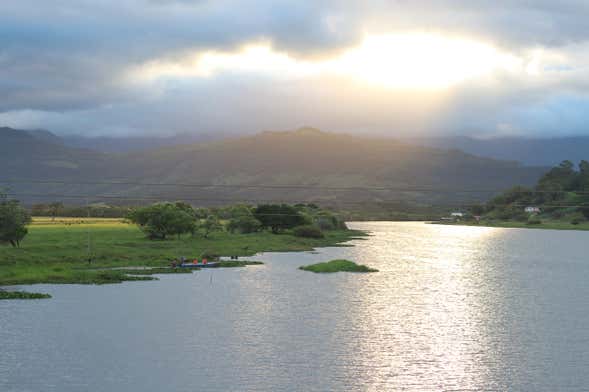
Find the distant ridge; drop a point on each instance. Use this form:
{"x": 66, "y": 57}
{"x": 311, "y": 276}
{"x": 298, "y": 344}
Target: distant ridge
{"x": 317, "y": 162}
{"x": 530, "y": 151}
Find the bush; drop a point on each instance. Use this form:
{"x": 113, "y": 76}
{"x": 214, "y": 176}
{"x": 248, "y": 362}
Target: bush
{"x": 575, "y": 221}
{"x": 326, "y": 221}
{"x": 534, "y": 221}
{"x": 308, "y": 232}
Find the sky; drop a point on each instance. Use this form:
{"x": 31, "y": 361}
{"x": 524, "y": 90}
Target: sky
{"x": 387, "y": 67}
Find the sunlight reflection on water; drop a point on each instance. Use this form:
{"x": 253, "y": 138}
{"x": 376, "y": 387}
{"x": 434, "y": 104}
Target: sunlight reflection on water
{"x": 452, "y": 308}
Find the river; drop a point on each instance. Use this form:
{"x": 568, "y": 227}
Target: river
{"x": 452, "y": 307}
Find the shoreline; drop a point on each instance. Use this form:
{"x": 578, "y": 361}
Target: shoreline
{"x": 58, "y": 254}
{"x": 551, "y": 225}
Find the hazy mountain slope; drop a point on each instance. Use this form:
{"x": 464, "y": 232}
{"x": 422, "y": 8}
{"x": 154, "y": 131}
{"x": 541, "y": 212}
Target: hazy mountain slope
{"x": 309, "y": 159}
{"x": 133, "y": 143}
{"x": 533, "y": 152}
{"x": 23, "y": 155}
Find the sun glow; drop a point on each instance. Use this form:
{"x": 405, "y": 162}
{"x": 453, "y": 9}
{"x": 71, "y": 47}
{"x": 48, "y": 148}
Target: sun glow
{"x": 422, "y": 61}
{"x": 401, "y": 61}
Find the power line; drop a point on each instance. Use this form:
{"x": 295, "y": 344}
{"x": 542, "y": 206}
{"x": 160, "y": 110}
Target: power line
{"x": 270, "y": 186}
{"x": 209, "y": 199}
{"x": 335, "y": 202}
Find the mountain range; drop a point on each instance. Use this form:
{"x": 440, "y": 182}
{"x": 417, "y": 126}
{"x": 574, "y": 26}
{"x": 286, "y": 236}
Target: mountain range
{"x": 529, "y": 151}
{"x": 302, "y": 165}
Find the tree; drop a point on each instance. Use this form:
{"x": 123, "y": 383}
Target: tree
{"x": 55, "y": 208}
{"x": 560, "y": 178}
{"x": 13, "y": 221}
{"x": 477, "y": 209}
{"x": 163, "y": 219}
{"x": 278, "y": 217}
{"x": 584, "y": 176}
{"x": 327, "y": 221}
{"x": 185, "y": 207}
{"x": 241, "y": 219}
{"x": 244, "y": 224}
{"x": 210, "y": 224}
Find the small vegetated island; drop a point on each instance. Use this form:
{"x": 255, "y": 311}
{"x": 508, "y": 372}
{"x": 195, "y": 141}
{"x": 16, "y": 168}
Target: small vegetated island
{"x": 67, "y": 246}
{"x": 22, "y": 295}
{"x": 337, "y": 266}
{"x": 560, "y": 200}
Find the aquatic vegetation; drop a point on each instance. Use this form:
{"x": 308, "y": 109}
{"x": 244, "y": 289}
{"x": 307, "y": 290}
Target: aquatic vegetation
{"x": 22, "y": 295}
{"x": 156, "y": 270}
{"x": 337, "y": 266}
{"x": 31, "y": 274}
{"x": 237, "y": 263}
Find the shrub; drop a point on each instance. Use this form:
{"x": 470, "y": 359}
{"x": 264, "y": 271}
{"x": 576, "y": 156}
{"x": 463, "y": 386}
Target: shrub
{"x": 534, "y": 221}
{"x": 308, "y": 232}
{"x": 326, "y": 221}
{"x": 575, "y": 221}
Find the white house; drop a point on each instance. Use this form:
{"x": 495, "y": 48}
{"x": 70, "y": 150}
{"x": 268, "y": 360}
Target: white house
{"x": 457, "y": 215}
{"x": 532, "y": 209}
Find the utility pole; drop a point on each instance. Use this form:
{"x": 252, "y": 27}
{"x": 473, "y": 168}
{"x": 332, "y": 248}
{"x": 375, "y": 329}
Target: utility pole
{"x": 88, "y": 233}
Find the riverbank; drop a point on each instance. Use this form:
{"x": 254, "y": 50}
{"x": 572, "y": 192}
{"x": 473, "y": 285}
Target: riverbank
{"x": 58, "y": 252}
{"x": 547, "y": 224}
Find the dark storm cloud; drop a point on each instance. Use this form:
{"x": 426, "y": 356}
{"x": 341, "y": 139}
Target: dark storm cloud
{"x": 70, "y": 54}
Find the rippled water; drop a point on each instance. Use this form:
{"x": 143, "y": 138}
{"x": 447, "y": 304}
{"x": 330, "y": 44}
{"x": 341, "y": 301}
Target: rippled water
{"x": 451, "y": 308}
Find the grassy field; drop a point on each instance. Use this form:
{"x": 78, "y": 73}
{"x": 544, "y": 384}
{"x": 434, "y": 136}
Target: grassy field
{"x": 56, "y": 251}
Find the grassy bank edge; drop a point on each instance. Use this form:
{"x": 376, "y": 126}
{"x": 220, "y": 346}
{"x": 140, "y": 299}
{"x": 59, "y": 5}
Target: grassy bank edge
{"x": 4, "y": 295}
{"x": 14, "y": 273}
{"x": 550, "y": 225}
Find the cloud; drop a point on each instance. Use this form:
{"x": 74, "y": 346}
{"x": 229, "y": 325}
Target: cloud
{"x": 75, "y": 65}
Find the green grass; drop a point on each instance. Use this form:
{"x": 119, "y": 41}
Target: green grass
{"x": 57, "y": 252}
{"x": 238, "y": 263}
{"x": 337, "y": 266}
{"x": 546, "y": 224}
{"x": 22, "y": 295}
{"x": 61, "y": 274}
{"x": 156, "y": 270}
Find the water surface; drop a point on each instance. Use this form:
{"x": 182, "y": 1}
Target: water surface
{"x": 452, "y": 308}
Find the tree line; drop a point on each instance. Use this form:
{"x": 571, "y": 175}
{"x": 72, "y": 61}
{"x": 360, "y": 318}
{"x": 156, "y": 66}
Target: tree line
{"x": 161, "y": 221}
{"x": 561, "y": 192}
